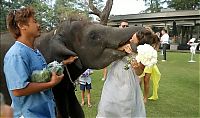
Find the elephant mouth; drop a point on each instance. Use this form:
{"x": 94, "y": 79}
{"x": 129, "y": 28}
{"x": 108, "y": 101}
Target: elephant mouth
{"x": 122, "y": 43}
{"x": 115, "y": 52}
{"x": 121, "y": 53}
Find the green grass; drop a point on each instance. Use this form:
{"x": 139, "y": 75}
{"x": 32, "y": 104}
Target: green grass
{"x": 178, "y": 89}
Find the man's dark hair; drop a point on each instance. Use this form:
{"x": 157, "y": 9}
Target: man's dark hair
{"x": 20, "y": 16}
{"x": 124, "y": 20}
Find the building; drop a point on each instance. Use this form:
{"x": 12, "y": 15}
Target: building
{"x": 187, "y": 23}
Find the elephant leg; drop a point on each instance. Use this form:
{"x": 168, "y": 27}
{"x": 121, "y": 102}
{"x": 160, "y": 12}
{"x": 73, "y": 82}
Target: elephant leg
{"x": 66, "y": 101}
{"x": 75, "y": 109}
{"x": 68, "y": 105}
{"x": 62, "y": 104}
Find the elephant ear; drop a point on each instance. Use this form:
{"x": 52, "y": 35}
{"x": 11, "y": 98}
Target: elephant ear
{"x": 60, "y": 52}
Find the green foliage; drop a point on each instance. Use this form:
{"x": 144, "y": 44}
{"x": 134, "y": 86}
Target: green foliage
{"x": 98, "y": 4}
{"x": 153, "y": 5}
{"x": 156, "y": 5}
{"x": 178, "y": 89}
{"x": 70, "y": 9}
{"x": 48, "y": 13}
{"x": 184, "y": 4}
{"x": 5, "y": 7}
{"x": 44, "y": 14}
{"x": 44, "y": 11}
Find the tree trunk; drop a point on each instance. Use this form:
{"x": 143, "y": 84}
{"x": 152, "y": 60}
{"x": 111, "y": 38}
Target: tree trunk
{"x": 104, "y": 14}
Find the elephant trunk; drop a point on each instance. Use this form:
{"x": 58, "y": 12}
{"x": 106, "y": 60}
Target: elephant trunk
{"x": 121, "y": 36}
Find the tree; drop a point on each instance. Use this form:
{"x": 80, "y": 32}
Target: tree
{"x": 49, "y": 15}
{"x": 153, "y": 5}
{"x": 184, "y": 4}
{"x": 44, "y": 12}
{"x": 65, "y": 9}
{"x": 70, "y": 9}
{"x": 6, "y": 5}
{"x": 3, "y": 13}
{"x": 104, "y": 14}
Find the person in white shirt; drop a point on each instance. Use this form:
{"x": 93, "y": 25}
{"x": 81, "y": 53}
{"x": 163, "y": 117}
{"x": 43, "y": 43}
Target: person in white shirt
{"x": 85, "y": 84}
{"x": 164, "y": 41}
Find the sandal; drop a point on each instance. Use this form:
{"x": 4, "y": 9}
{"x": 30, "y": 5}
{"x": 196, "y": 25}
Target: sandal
{"x": 89, "y": 105}
{"x": 82, "y": 104}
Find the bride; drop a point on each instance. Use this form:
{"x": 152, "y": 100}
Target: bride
{"x": 121, "y": 95}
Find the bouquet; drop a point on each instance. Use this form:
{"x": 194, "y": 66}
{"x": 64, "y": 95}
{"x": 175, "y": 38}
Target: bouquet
{"x": 45, "y": 74}
{"x": 128, "y": 64}
{"x": 146, "y": 55}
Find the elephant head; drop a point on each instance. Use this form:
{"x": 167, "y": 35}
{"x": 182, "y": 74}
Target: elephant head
{"x": 95, "y": 45}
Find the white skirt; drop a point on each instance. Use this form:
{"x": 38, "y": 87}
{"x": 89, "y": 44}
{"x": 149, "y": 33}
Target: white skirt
{"x": 121, "y": 95}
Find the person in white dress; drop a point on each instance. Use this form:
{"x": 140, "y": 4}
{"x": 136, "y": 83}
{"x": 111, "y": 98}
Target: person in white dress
{"x": 121, "y": 95}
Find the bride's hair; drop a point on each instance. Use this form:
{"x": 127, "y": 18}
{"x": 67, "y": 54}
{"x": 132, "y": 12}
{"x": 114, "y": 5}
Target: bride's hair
{"x": 147, "y": 36}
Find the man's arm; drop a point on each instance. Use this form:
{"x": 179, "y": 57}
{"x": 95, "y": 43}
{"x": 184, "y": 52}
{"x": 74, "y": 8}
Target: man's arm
{"x": 33, "y": 87}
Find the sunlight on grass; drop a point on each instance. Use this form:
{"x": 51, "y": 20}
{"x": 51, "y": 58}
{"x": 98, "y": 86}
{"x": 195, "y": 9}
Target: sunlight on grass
{"x": 178, "y": 90}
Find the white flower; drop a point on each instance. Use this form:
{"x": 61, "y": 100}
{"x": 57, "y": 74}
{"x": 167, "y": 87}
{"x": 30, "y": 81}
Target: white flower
{"x": 147, "y": 55}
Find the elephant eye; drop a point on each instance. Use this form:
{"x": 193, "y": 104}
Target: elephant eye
{"x": 95, "y": 36}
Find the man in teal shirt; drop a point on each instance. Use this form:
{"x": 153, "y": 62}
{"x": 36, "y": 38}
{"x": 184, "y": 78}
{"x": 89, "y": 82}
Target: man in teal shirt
{"x": 29, "y": 99}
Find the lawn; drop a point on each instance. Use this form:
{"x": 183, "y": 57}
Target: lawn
{"x": 178, "y": 90}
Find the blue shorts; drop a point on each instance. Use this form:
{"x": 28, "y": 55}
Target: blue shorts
{"x": 86, "y": 86}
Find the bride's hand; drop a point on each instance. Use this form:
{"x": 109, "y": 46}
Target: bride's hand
{"x": 138, "y": 67}
{"x": 126, "y": 48}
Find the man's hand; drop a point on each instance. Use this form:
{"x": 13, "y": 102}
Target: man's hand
{"x": 69, "y": 60}
{"x": 55, "y": 79}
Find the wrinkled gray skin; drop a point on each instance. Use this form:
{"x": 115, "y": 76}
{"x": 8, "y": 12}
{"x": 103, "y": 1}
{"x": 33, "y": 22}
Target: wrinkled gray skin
{"x": 94, "y": 44}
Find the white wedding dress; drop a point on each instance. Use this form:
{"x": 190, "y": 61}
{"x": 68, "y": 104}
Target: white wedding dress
{"x": 121, "y": 95}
